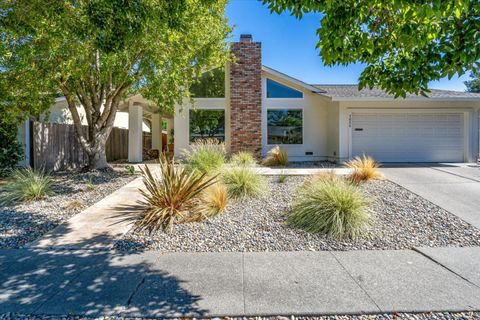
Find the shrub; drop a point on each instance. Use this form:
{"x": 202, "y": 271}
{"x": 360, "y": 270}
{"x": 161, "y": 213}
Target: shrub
{"x": 89, "y": 184}
{"x": 75, "y": 205}
{"x": 276, "y": 157}
{"x": 332, "y": 207}
{"x": 215, "y": 199}
{"x": 26, "y": 185}
{"x": 130, "y": 170}
{"x": 243, "y": 158}
{"x": 328, "y": 175}
{"x": 364, "y": 168}
{"x": 172, "y": 198}
{"x": 243, "y": 182}
{"x": 282, "y": 178}
{"x": 11, "y": 151}
{"x": 205, "y": 156}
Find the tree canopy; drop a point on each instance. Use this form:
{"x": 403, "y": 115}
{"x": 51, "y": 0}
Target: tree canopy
{"x": 404, "y": 44}
{"x": 474, "y": 84}
{"x": 96, "y": 52}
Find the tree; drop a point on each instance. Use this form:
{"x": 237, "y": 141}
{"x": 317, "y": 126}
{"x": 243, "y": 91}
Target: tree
{"x": 404, "y": 44}
{"x": 474, "y": 84}
{"x": 96, "y": 52}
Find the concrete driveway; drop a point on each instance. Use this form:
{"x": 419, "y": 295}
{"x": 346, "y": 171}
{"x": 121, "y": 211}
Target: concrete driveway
{"x": 454, "y": 187}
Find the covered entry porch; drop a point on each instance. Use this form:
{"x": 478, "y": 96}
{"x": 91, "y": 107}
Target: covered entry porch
{"x": 142, "y": 111}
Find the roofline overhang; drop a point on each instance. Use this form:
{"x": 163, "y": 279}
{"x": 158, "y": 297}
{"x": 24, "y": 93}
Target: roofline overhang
{"x": 450, "y": 99}
{"x": 292, "y": 80}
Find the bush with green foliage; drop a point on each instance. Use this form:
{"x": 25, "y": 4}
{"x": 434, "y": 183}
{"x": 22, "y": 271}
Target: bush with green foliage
{"x": 332, "y": 207}
{"x": 243, "y": 182}
{"x": 26, "y": 185}
{"x": 11, "y": 151}
{"x": 243, "y": 158}
{"x": 205, "y": 156}
{"x": 174, "y": 197}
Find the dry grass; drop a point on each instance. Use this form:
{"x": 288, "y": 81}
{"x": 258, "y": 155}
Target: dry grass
{"x": 205, "y": 156}
{"x": 243, "y": 182}
{"x": 364, "y": 168}
{"x": 243, "y": 158}
{"x": 75, "y": 205}
{"x": 215, "y": 199}
{"x": 26, "y": 185}
{"x": 276, "y": 157}
{"x": 328, "y": 175}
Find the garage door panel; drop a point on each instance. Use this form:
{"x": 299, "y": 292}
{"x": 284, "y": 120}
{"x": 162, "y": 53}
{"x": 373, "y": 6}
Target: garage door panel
{"x": 409, "y": 136}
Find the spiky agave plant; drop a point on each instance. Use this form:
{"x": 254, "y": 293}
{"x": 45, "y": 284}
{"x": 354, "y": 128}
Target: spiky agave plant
{"x": 172, "y": 198}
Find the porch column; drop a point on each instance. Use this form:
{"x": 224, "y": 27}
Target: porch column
{"x": 135, "y": 138}
{"x": 157, "y": 132}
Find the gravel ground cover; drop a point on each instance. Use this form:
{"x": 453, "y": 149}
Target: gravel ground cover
{"x": 402, "y": 220}
{"x": 385, "y": 316}
{"x": 24, "y": 222}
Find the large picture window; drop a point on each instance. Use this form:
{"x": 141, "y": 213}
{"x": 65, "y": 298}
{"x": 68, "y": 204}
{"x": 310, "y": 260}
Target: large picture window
{"x": 207, "y": 124}
{"x": 278, "y": 90}
{"x": 285, "y": 126}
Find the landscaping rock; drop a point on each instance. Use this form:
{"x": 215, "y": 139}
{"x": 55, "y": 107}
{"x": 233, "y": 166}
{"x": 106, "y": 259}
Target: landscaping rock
{"x": 402, "y": 220}
{"x": 22, "y": 223}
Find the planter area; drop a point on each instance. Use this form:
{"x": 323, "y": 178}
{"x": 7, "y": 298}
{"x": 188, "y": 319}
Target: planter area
{"x": 24, "y": 222}
{"x": 402, "y": 220}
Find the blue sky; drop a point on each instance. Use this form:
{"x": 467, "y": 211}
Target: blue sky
{"x": 288, "y": 45}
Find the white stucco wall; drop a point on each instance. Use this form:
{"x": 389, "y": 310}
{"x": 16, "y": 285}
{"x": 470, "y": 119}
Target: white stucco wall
{"x": 315, "y": 119}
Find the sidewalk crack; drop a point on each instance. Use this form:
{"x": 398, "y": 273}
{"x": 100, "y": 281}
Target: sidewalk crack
{"x": 243, "y": 282}
{"x": 445, "y": 267}
{"x": 137, "y": 287}
{"x": 356, "y": 282}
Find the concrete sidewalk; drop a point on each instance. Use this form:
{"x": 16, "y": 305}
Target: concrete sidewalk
{"x": 151, "y": 284}
{"x": 452, "y": 188}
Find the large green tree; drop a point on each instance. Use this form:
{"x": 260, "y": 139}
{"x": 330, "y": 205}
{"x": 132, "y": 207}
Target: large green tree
{"x": 403, "y": 43}
{"x": 96, "y": 52}
{"x": 474, "y": 84}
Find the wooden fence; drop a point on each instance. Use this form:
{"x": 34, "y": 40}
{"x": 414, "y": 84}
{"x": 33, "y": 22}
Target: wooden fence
{"x": 56, "y": 147}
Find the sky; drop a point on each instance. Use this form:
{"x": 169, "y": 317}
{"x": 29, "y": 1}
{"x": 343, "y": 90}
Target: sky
{"x": 288, "y": 45}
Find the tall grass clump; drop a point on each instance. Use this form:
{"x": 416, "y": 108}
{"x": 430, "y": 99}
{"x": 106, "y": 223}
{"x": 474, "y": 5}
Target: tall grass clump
{"x": 332, "y": 207}
{"x": 26, "y": 185}
{"x": 172, "y": 198}
{"x": 276, "y": 157}
{"x": 364, "y": 168}
{"x": 215, "y": 199}
{"x": 243, "y": 182}
{"x": 243, "y": 158}
{"x": 205, "y": 156}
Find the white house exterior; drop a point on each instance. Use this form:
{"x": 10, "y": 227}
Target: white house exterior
{"x": 262, "y": 107}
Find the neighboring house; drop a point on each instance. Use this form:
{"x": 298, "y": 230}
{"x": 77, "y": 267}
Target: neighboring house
{"x": 259, "y": 108}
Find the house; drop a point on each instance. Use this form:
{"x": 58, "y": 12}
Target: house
{"x": 255, "y": 108}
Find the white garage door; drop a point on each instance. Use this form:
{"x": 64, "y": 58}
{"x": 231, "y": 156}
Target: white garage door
{"x": 409, "y": 136}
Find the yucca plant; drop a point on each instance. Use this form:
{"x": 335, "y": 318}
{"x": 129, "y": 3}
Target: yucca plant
{"x": 205, "y": 156}
{"x": 364, "y": 168}
{"x": 243, "y": 182}
{"x": 214, "y": 199}
{"x": 332, "y": 207}
{"x": 174, "y": 197}
{"x": 243, "y": 158}
{"x": 26, "y": 185}
{"x": 276, "y": 157}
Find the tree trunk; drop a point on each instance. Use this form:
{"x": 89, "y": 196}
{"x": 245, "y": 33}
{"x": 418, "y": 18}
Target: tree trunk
{"x": 97, "y": 158}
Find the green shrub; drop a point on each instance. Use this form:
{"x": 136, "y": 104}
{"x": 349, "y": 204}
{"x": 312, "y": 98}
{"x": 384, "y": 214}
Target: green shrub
{"x": 243, "y": 182}
{"x": 130, "y": 170}
{"x": 11, "y": 151}
{"x": 282, "y": 178}
{"x": 243, "y": 158}
{"x": 332, "y": 207}
{"x": 172, "y": 198}
{"x": 205, "y": 156}
{"x": 26, "y": 185}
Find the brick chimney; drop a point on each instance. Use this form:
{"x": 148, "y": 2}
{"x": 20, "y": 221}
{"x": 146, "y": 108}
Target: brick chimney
{"x": 246, "y": 96}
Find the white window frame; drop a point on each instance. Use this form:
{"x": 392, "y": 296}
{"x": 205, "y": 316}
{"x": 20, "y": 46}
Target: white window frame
{"x": 303, "y": 126}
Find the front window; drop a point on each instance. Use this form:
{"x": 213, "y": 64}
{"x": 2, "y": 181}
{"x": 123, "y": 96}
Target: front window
{"x": 207, "y": 124}
{"x": 285, "y": 126}
{"x": 278, "y": 90}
